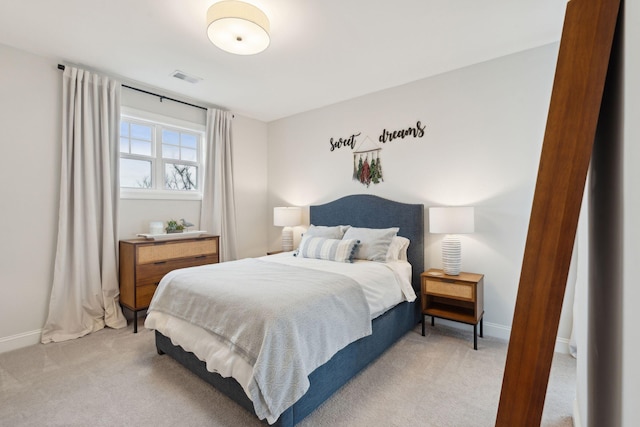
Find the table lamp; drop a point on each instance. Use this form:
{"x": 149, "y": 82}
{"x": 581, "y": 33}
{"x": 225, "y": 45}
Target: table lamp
{"x": 451, "y": 221}
{"x": 287, "y": 217}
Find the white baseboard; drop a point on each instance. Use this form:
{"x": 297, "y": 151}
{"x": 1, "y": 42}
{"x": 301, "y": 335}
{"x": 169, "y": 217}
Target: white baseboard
{"x": 24, "y": 339}
{"x": 497, "y": 331}
{"x": 577, "y": 422}
{"x": 562, "y": 345}
{"x": 504, "y": 332}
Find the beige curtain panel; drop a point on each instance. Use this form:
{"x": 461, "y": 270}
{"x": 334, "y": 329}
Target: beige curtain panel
{"x": 84, "y": 295}
{"x": 218, "y": 211}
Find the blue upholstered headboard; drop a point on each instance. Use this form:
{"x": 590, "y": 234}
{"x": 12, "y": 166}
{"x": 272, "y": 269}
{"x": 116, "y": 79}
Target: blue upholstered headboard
{"x": 362, "y": 210}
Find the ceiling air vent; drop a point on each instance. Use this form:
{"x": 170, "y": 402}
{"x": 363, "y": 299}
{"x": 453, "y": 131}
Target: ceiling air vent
{"x": 186, "y": 77}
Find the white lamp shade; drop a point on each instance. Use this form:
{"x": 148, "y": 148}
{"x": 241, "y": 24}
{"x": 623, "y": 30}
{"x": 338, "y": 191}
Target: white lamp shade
{"x": 451, "y": 220}
{"x": 238, "y": 27}
{"x": 286, "y": 216}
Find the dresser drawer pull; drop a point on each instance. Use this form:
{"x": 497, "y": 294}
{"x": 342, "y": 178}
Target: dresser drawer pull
{"x": 200, "y": 256}
{"x": 160, "y": 262}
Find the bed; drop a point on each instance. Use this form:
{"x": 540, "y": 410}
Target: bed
{"x": 364, "y": 211}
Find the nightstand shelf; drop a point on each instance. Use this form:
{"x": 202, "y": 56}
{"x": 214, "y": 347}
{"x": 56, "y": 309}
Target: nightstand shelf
{"x": 458, "y": 298}
{"x": 444, "y": 311}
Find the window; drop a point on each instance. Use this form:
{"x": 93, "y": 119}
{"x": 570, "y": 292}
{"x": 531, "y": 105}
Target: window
{"x": 160, "y": 157}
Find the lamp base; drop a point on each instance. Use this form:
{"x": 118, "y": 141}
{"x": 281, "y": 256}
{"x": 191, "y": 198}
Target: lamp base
{"x": 451, "y": 255}
{"x": 287, "y": 239}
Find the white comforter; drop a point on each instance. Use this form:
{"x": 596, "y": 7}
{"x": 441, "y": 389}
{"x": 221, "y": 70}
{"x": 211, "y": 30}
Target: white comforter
{"x": 383, "y": 285}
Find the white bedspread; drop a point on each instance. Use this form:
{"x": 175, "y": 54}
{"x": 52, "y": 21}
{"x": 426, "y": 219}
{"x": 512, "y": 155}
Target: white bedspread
{"x": 382, "y": 285}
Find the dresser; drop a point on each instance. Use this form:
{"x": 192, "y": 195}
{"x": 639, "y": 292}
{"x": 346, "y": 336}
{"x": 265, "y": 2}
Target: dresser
{"x": 144, "y": 262}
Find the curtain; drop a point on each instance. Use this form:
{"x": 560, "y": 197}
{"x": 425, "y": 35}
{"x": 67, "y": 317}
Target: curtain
{"x": 218, "y": 212}
{"x": 85, "y": 294}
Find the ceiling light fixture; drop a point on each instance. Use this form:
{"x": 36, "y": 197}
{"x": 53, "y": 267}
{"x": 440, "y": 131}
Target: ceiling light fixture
{"x": 238, "y": 27}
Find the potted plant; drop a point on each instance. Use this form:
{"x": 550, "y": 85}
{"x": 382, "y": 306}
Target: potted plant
{"x": 174, "y": 227}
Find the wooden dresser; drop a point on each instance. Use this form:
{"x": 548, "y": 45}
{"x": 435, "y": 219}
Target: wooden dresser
{"x": 144, "y": 262}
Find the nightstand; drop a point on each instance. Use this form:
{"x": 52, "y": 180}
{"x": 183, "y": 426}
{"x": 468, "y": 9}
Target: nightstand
{"x": 458, "y": 298}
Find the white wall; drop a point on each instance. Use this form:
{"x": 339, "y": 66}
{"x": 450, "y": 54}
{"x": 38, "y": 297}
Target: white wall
{"x": 485, "y": 126}
{"x": 30, "y": 118}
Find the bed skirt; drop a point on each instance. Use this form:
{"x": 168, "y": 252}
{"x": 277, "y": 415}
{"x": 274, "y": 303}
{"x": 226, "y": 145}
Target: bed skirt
{"x": 327, "y": 378}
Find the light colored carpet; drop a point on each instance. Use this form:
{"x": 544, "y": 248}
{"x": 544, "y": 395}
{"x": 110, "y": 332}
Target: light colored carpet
{"x": 113, "y": 377}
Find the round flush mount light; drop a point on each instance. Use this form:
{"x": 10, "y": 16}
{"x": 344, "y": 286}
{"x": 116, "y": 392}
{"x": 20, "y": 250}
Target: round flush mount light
{"x": 238, "y": 27}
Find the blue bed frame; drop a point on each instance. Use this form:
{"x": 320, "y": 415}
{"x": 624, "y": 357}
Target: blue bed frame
{"x": 358, "y": 211}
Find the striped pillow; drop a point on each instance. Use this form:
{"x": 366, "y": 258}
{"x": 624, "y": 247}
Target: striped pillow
{"x": 328, "y": 249}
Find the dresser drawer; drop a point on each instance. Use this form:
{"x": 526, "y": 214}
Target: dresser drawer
{"x": 144, "y": 295}
{"x": 148, "y": 254}
{"x": 449, "y": 289}
{"x": 152, "y": 273}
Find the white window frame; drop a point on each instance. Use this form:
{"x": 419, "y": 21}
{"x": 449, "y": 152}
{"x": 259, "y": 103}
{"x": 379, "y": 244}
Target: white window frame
{"x": 158, "y": 163}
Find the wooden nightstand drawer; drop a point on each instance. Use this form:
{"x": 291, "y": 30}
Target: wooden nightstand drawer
{"x": 449, "y": 289}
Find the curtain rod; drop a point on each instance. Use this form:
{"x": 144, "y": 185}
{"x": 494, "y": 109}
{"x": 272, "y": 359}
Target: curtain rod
{"x": 62, "y": 67}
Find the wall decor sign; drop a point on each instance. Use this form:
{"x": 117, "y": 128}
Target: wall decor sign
{"x": 344, "y": 142}
{"x": 367, "y": 166}
{"x": 416, "y": 131}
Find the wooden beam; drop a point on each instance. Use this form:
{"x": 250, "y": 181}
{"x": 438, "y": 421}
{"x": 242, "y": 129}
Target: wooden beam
{"x": 581, "y": 70}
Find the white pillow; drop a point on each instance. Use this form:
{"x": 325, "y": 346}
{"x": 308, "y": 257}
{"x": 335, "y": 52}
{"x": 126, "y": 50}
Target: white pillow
{"x": 328, "y": 249}
{"x": 336, "y": 232}
{"x": 398, "y": 249}
{"x": 374, "y": 242}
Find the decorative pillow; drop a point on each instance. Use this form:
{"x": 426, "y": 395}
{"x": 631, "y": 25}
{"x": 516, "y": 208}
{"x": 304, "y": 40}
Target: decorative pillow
{"x": 328, "y": 249}
{"x": 328, "y": 232}
{"x": 335, "y": 232}
{"x": 398, "y": 249}
{"x": 374, "y": 242}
